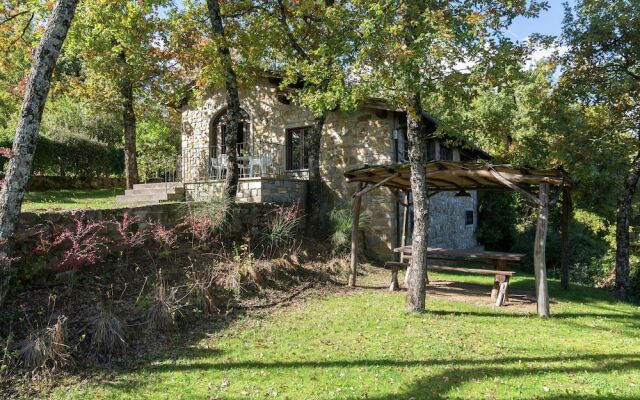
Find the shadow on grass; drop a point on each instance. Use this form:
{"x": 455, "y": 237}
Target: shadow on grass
{"x": 438, "y": 386}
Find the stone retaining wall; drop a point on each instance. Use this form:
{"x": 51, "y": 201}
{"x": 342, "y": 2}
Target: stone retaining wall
{"x": 244, "y": 217}
{"x": 252, "y": 190}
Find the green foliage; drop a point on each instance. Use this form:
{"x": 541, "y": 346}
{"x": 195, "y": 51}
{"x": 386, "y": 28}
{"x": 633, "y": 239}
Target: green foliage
{"x": 280, "y": 232}
{"x": 75, "y": 141}
{"x": 497, "y": 219}
{"x": 341, "y": 221}
{"x": 157, "y": 145}
{"x": 75, "y": 156}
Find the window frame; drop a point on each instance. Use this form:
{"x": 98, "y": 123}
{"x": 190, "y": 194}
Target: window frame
{"x": 305, "y": 130}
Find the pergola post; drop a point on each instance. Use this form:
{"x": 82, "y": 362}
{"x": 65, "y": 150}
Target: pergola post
{"x": 567, "y": 207}
{"x": 403, "y": 241}
{"x": 539, "y": 256}
{"x": 357, "y": 202}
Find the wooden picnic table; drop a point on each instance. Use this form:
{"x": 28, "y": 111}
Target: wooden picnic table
{"x": 497, "y": 259}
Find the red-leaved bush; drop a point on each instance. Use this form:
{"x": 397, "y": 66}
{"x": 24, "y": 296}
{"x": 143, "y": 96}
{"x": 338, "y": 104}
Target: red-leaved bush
{"x": 83, "y": 244}
{"x": 165, "y": 237}
{"x": 130, "y": 237}
{"x": 200, "y": 227}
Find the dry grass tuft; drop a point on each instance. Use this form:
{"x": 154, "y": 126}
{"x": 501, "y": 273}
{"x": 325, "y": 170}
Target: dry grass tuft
{"x": 166, "y": 304}
{"x": 48, "y": 347}
{"x": 108, "y": 333}
{"x": 202, "y": 283}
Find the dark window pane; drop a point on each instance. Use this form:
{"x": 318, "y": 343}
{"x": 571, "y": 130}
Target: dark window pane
{"x": 297, "y": 150}
{"x": 469, "y": 217}
{"x": 445, "y": 153}
{"x": 431, "y": 150}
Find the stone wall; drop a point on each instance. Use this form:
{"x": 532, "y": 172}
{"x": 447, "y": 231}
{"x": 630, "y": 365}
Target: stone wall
{"x": 244, "y": 217}
{"x": 448, "y": 227}
{"x": 350, "y": 140}
{"x": 253, "y": 190}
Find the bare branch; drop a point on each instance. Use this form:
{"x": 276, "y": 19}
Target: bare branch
{"x": 16, "y": 15}
{"x": 292, "y": 40}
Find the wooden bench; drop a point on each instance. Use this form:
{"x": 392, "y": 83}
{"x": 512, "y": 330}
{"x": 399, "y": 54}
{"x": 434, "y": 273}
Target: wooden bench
{"x": 500, "y": 291}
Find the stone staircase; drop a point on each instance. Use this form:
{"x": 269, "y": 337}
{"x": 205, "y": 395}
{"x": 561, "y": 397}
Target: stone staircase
{"x": 150, "y": 193}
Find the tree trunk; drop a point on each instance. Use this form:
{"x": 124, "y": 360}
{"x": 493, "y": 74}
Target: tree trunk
{"x": 622, "y": 230}
{"x": 539, "y": 252}
{"x": 233, "y": 99}
{"x": 567, "y": 207}
{"x": 129, "y": 122}
{"x": 24, "y": 143}
{"x": 417, "y": 136}
{"x": 315, "y": 195}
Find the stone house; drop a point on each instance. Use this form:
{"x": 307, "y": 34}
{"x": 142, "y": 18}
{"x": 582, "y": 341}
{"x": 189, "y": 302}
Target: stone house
{"x": 271, "y": 148}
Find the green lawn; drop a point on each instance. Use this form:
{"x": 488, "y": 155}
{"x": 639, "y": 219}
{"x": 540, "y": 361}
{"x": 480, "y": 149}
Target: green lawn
{"x": 71, "y": 199}
{"x": 363, "y": 345}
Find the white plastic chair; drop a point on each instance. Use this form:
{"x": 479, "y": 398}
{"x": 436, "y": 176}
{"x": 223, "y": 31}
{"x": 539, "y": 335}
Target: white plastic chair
{"x": 266, "y": 162}
{"x": 221, "y": 166}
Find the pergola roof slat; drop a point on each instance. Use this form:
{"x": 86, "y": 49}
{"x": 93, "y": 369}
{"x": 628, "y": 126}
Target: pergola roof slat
{"x": 454, "y": 176}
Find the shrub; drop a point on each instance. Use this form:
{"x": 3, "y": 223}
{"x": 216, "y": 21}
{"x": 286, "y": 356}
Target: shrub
{"x": 46, "y": 347}
{"x": 205, "y": 221}
{"x": 497, "y": 219}
{"x": 341, "y": 220}
{"x": 75, "y": 156}
{"x": 108, "y": 332}
{"x": 162, "y": 311}
{"x": 130, "y": 237}
{"x": 165, "y": 237}
{"x": 203, "y": 285}
{"x": 280, "y": 231}
{"x": 83, "y": 244}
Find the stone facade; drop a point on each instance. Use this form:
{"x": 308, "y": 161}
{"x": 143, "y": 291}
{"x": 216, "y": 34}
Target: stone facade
{"x": 351, "y": 139}
{"x": 449, "y": 226}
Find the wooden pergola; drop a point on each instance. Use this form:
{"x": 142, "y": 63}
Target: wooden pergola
{"x": 543, "y": 187}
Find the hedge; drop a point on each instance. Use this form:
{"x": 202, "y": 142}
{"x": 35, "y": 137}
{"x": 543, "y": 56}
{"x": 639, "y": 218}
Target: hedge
{"x": 75, "y": 156}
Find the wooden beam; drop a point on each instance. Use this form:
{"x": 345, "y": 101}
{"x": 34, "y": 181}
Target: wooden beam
{"x": 357, "y": 202}
{"x": 515, "y": 187}
{"x": 366, "y": 190}
{"x": 567, "y": 206}
{"x": 398, "y": 199}
{"x": 539, "y": 255}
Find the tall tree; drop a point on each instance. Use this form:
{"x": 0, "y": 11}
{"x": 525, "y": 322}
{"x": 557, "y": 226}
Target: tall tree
{"x": 119, "y": 43}
{"x": 37, "y": 89}
{"x": 233, "y": 98}
{"x": 423, "y": 44}
{"x": 602, "y": 67}
{"x": 316, "y": 46}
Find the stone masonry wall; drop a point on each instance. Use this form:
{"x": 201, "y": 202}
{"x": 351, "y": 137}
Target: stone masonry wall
{"x": 244, "y": 216}
{"x": 447, "y": 223}
{"x": 253, "y": 190}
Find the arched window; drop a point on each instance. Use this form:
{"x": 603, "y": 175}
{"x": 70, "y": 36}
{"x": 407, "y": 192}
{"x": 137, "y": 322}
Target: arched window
{"x": 218, "y": 128}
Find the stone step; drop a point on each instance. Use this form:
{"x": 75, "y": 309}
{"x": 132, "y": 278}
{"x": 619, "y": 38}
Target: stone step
{"x": 154, "y": 190}
{"x": 159, "y": 185}
{"x": 149, "y": 198}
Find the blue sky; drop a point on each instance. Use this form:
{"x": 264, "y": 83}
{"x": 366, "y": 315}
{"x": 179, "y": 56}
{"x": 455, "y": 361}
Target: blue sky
{"x": 548, "y": 23}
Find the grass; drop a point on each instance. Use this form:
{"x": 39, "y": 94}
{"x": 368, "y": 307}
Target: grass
{"x": 68, "y": 199}
{"x": 363, "y": 345}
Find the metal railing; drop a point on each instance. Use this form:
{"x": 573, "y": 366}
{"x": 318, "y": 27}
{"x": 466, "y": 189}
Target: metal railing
{"x": 161, "y": 169}
{"x": 259, "y": 159}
